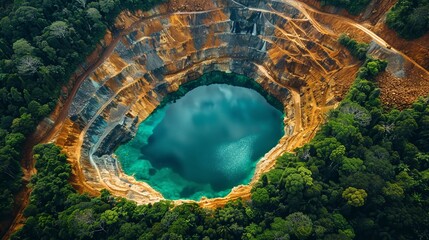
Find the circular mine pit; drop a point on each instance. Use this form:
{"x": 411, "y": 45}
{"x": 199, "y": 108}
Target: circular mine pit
{"x": 204, "y": 143}
{"x": 160, "y": 51}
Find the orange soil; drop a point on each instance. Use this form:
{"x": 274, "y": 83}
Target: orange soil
{"x": 417, "y": 49}
{"x": 394, "y": 90}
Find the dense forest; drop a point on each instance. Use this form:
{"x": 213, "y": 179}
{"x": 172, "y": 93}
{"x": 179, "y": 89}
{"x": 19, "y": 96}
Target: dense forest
{"x": 41, "y": 44}
{"x": 409, "y": 18}
{"x": 353, "y": 6}
{"x": 364, "y": 175}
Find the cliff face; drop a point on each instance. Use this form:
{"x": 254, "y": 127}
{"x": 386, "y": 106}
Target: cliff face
{"x": 277, "y": 43}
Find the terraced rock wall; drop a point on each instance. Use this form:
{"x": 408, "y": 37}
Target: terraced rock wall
{"x": 289, "y": 55}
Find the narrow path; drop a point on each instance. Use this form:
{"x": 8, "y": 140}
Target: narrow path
{"x": 304, "y": 7}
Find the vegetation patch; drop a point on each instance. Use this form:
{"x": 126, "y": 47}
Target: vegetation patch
{"x": 409, "y": 18}
{"x": 357, "y": 49}
{"x": 354, "y": 7}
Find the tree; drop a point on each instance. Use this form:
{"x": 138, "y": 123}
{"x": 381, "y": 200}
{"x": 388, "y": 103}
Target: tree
{"x": 260, "y": 197}
{"x": 15, "y": 95}
{"x": 355, "y": 197}
{"x": 93, "y": 14}
{"x": 94, "y": 19}
{"x": 359, "y": 113}
{"x": 297, "y": 179}
{"x": 280, "y": 228}
{"x": 79, "y": 224}
{"x": 22, "y": 47}
{"x": 405, "y": 181}
{"x": 109, "y": 217}
{"x": 27, "y": 21}
{"x": 393, "y": 190}
{"x": 251, "y": 231}
{"x": 9, "y": 167}
{"x": 377, "y": 161}
{"x": 373, "y": 68}
{"x": 354, "y": 7}
{"x": 300, "y": 225}
{"x": 5, "y": 27}
{"x": 409, "y": 18}
{"x": 337, "y": 154}
{"x": 106, "y": 6}
{"x": 358, "y": 50}
{"x": 130, "y": 231}
{"x": 37, "y": 110}
{"x": 418, "y": 20}
{"x": 405, "y": 126}
{"x": 351, "y": 165}
{"x": 82, "y": 3}
{"x": 344, "y": 130}
{"x": 28, "y": 65}
{"x": 15, "y": 140}
{"x": 59, "y": 29}
{"x": 24, "y": 124}
{"x": 325, "y": 146}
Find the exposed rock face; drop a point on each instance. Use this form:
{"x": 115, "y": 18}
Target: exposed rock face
{"x": 291, "y": 57}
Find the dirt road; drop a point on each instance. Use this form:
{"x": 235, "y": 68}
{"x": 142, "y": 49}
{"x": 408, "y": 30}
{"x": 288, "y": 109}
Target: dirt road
{"x": 304, "y": 8}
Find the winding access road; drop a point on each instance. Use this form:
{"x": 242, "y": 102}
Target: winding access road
{"x": 304, "y": 8}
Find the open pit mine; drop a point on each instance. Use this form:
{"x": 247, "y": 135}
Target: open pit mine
{"x": 290, "y": 50}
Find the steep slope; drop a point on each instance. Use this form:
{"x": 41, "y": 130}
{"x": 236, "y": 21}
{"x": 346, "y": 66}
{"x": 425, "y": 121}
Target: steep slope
{"x": 289, "y": 48}
{"x": 410, "y": 80}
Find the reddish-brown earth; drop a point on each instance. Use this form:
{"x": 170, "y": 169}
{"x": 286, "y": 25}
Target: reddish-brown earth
{"x": 310, "y": 102}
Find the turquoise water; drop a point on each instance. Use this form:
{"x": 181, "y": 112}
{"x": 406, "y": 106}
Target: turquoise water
{"x": 203, "y": 144}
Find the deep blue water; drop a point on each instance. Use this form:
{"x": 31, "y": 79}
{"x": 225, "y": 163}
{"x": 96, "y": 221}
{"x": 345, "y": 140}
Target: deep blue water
{"x": 203, "y": 144}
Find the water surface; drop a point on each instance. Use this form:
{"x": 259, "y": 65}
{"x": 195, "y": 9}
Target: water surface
{"x": 204, "y": 143}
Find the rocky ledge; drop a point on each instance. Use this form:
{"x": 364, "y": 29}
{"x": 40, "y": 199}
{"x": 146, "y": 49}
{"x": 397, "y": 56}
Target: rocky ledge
{"x": 291, "y": 56}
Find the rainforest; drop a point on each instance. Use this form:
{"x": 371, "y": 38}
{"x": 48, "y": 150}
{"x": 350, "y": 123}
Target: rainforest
{"x": 219, "y": 119}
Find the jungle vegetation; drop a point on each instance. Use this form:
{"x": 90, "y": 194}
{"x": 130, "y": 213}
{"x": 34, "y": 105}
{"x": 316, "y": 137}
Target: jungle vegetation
{"x": 352, "y": 6}
{"x": 409, "y": 18}
{"x": 364, "y": 176}
{"x": 42, "y": 43}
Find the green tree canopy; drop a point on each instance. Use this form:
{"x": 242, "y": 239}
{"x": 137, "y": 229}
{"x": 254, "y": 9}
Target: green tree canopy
{"x": 355, "y": 197}
{"x": 296, "y": 179}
